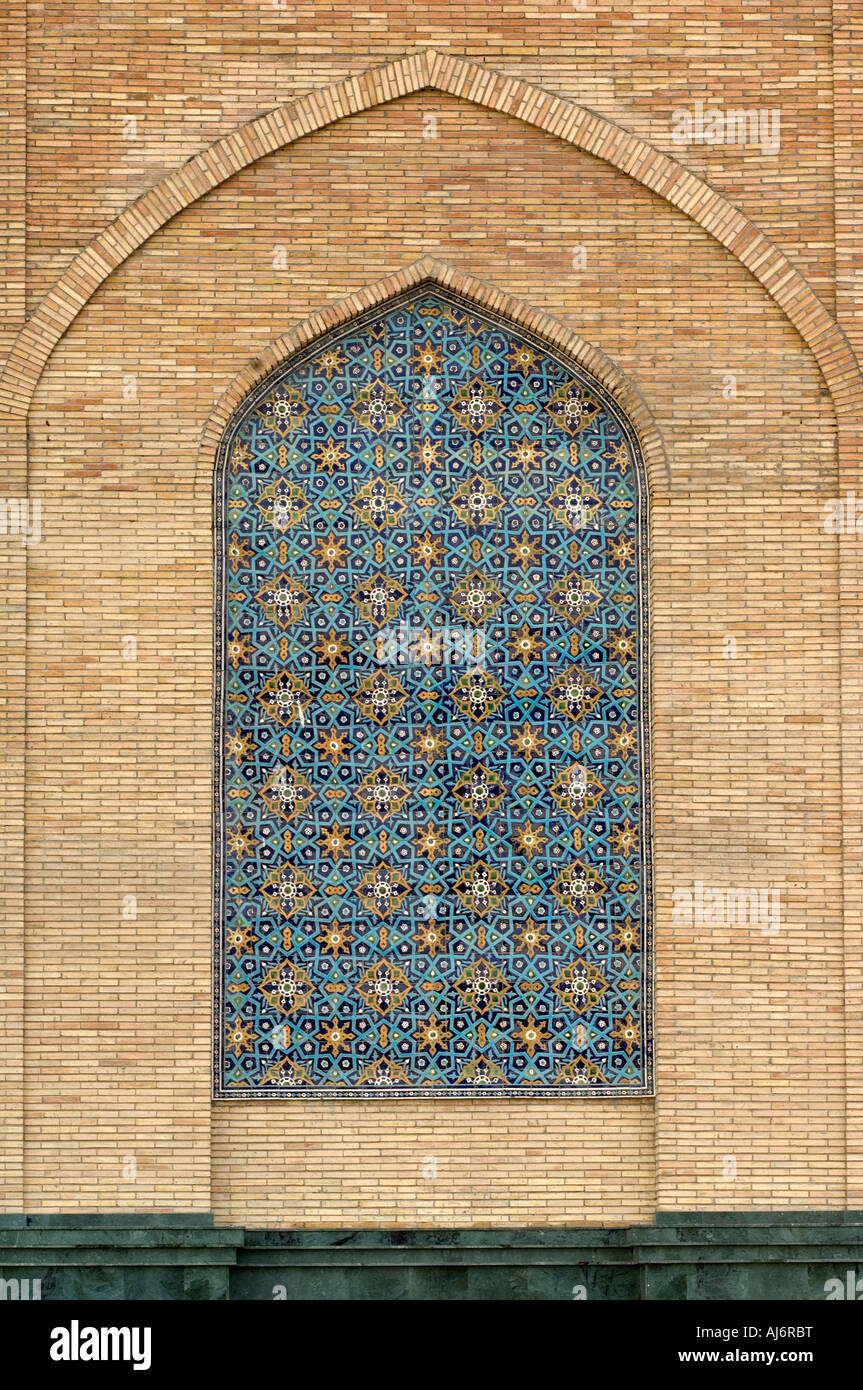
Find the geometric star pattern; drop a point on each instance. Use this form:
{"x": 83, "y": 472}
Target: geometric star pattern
{"x": 432, "y": 819}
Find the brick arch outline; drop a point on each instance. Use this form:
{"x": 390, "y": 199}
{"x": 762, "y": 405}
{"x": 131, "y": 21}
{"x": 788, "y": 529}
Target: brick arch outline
{"x": 470, "y": 81}
{"x": 427, "y": 269}
{"x": 652, "y": 468}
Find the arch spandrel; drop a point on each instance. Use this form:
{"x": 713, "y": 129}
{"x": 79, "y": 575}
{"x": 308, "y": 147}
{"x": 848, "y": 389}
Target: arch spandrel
{"x": 559, "y": 116}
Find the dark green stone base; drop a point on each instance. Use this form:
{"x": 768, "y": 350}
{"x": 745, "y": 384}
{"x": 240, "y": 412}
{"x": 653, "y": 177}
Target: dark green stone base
{"x": 682, "y": 1256}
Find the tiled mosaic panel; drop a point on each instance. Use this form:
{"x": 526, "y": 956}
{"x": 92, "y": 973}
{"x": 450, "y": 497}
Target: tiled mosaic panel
{"x": 431, "y": 820}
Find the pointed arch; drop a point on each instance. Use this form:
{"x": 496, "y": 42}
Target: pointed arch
{"x": 484, "y": 296}
{"x": 432, "y": 687}
{"x": 559, "y": 116}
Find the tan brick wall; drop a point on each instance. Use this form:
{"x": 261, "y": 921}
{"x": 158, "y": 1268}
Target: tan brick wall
{"x": 127, "y": 551}
{"x": 755, "y": 1033}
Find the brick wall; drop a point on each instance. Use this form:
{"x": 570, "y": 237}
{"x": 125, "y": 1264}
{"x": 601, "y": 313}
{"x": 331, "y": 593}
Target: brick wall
{"x": 752, "y": 1029}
